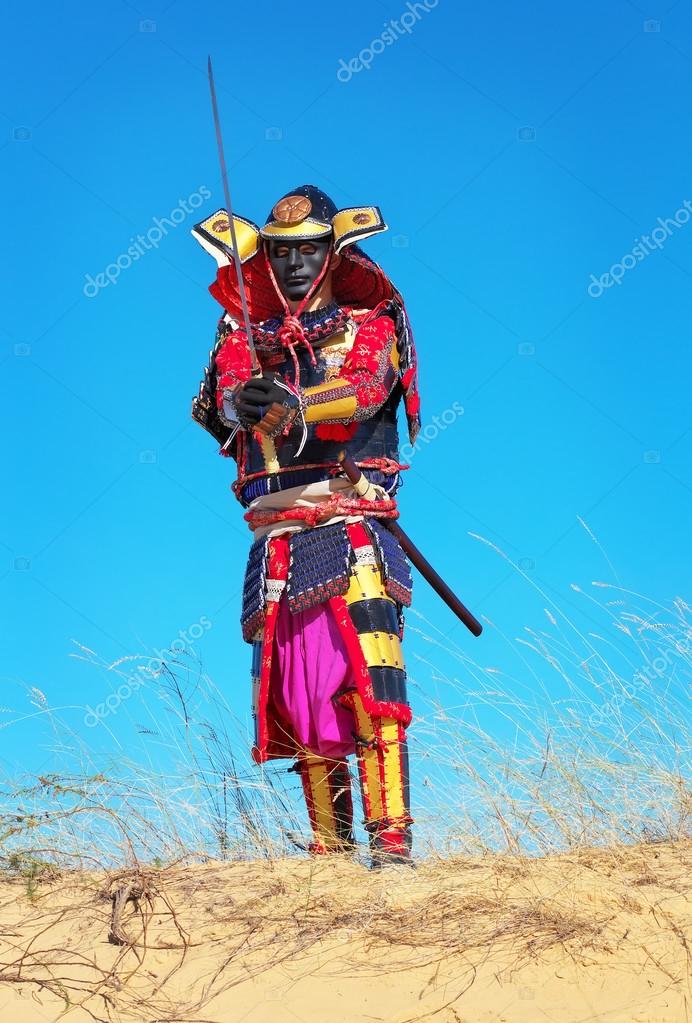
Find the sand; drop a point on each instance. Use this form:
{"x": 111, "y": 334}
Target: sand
{"x": 595, "y": 935}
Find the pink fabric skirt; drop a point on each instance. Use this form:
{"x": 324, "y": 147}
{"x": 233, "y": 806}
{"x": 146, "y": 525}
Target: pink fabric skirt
{"x": 310, "y": 664}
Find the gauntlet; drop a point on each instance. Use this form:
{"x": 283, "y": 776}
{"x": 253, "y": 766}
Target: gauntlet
{"x": 266, "y": 404}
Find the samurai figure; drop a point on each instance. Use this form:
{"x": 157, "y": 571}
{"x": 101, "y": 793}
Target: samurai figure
{"x": 330, "y": 357}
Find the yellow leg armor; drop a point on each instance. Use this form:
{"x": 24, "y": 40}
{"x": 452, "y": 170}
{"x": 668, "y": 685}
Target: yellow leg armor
{"x": 383, "y": 767}
{"x": 327, "y": 788}
{"x": 381, "y": 746}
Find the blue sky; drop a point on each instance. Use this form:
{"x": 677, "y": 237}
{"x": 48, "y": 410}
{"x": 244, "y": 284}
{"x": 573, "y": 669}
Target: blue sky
{"x": 515, "y": 152}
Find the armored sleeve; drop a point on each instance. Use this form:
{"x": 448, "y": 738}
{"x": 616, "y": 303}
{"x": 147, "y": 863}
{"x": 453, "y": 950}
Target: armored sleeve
{"x": 367, "y": 378}
{"x": 233, "y": 369}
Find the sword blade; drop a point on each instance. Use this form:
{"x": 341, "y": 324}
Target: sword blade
{"x": 256, "y": 368}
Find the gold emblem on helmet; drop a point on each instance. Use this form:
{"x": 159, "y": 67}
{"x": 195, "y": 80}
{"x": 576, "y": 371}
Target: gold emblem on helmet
{"x": 292, "y": 210}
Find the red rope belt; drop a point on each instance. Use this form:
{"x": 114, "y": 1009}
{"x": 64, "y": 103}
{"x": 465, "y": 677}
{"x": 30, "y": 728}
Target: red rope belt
{"x": 387, "y": 466}
{"x": 335, "y": 505}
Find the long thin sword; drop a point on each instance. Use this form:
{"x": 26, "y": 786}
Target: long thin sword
{"x": 256, "y": 368}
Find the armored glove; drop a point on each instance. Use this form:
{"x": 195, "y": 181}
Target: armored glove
{"x": 267, "y": 404}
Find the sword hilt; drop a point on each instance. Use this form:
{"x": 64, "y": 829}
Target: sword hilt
{"x": 361, "y": 484}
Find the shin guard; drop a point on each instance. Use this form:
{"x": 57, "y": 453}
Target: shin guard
{"x": 382, "y": 755}
{"x": 327, "y": 788}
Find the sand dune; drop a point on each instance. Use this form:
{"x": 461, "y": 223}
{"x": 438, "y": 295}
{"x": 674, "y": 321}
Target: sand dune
{"x": 596, "y": 935}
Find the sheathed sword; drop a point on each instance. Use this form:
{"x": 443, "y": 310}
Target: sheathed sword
{"x": 362, "y": 485}
{"x": 256, "y": 368}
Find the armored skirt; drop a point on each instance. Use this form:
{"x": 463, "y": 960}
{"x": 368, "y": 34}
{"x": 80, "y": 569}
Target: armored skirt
{"x": 323, "y": 609}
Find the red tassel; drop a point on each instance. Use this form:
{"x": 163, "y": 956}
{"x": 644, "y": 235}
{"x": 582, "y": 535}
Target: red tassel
{"x": 336, "y": 431}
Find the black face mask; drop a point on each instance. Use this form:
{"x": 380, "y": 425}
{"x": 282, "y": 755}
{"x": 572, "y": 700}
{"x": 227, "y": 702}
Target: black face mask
{"x": 297, "y": 264}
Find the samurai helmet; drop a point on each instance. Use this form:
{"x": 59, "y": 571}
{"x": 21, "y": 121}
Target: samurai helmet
{"x": 306, "y": 212}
